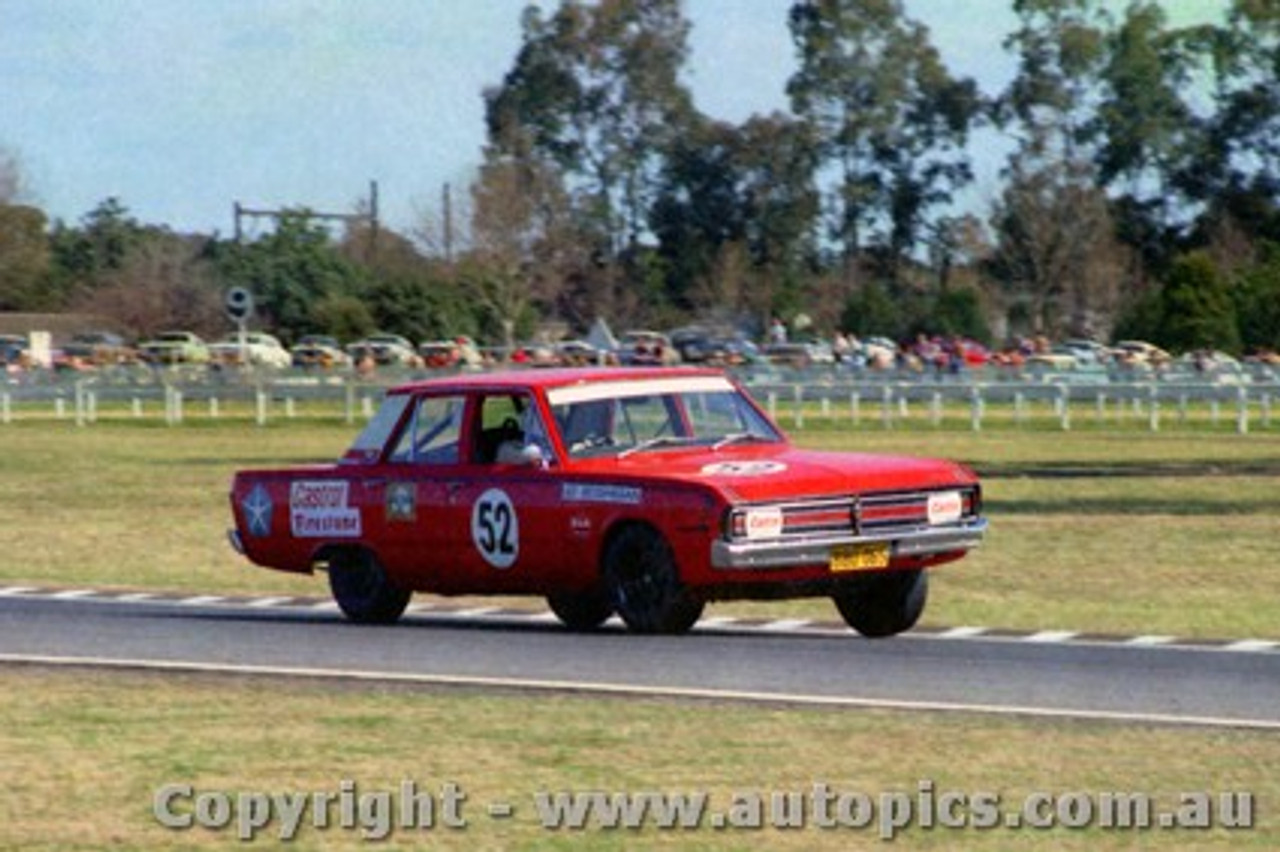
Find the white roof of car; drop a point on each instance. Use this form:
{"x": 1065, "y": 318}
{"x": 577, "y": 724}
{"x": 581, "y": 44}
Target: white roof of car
{"x": 590, "y": 392}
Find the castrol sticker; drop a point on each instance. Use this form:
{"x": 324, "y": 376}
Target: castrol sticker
{"x": 320, "y": 509}
{"x": 764, "y": 523}
{"x": 945, "y": 507}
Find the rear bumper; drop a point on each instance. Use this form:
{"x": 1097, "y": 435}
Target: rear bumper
{"x": 816, "y": 550}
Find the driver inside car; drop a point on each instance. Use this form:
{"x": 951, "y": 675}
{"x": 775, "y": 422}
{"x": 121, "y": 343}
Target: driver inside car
{"x": 531, "y": 446}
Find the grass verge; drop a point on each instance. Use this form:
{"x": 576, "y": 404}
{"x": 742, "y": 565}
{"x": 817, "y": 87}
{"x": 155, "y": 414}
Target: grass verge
{"x": 85, "y": 754}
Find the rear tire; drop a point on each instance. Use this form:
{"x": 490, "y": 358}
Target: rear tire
{"x": 581, "y": 611}
{"x": 644, "y": 583}
{"x": 362, "y": 589}
{"x": 879, "y": 605}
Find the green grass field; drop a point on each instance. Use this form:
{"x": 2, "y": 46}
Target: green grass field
{"x": 1107, "y": 531}
{"x": 85, "y": 754}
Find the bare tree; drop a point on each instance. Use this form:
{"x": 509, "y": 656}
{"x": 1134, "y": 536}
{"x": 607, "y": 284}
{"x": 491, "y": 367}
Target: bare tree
{"x": 162, "y": 285}
{"x": 520, "y": 251}
{"x": 11, "y": 180}
{"x": 24, "y": 258}
{"x": 1057, "y": 255}
{"x": 24, "y": 248}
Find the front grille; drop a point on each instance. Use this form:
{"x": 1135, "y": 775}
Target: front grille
{"x": 877, "y": 514}
{"x": 833, "y": 516}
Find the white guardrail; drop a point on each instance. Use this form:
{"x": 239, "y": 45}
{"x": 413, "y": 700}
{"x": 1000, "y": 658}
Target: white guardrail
{"x": 794, "y": 398}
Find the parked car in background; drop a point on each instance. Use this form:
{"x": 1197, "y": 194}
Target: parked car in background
{"x": 388, "y": 350}
{"x": 643, "y": 492}
{"x": 534, "y": 353}
{"x": 1053, "y": 358}
{"x": 319, "y": 351}
{"x": 102, "y": 348}
{"x": 879, "y": 353}
{"x": 12, "y": 348}
{"x": 713, "y": 347}
{"x": 801, "y": 354}
{"x": 1208, "y": 365}
{"x": 577, "y": 353}
{"x": 175, "y": 347}
{"x": 438, "y": 354}
{"x": 644, "y": 348}
{"x": 461, "y": 351}
{"x": 972, "y": 353}
{"x": 1087, "y": 351}
{"x": 256, "y": 350}
{"x": 1139, "y": 352}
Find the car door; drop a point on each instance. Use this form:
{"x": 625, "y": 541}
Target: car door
{"x": 406, "y": 497}
{"x": 505, "y": 526}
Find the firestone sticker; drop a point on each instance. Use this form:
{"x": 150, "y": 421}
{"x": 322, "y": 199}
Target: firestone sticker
{"x": 320, "y": 509}
{"x": 756, "y": 468}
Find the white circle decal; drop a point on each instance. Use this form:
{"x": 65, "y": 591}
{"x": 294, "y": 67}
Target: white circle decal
{"x": 495, "y": 528}
{"x": 758, "y": 468}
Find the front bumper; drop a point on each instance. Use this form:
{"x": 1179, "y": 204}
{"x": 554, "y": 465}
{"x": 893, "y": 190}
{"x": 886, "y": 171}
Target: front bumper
{"x": 816, "y": 550}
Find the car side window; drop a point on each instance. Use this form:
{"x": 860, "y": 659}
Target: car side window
{"x": 508, "y": 425}
{"x": 432, "y": 434}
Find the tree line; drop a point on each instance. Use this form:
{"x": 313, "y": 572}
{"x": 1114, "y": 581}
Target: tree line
{"x": 1139, "y": 197}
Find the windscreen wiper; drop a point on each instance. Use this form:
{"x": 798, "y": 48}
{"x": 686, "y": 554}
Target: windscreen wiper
{"x": 659, "y": 441}
{"x": 737, "y": 438}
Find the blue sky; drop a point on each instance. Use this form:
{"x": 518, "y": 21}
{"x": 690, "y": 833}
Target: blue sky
{"x": 182, "y": 107}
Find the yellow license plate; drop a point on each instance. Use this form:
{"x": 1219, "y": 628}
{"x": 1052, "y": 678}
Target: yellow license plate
{"x": 860, "y": 557}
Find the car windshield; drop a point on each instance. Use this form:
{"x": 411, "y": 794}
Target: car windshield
{"x": 630, "y": 417}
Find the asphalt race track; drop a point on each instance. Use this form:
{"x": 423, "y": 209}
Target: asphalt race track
{"x": 1138, "y": 679}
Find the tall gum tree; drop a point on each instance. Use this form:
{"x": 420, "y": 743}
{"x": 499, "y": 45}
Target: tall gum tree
{"x": 1147, "y": 131}
{"x": 1056, "y": 258}
{"x": 889, "y": 120}
{"x": 596, "y": 88}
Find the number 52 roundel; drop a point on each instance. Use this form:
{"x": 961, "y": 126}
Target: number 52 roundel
{"x": 495, "y": 528}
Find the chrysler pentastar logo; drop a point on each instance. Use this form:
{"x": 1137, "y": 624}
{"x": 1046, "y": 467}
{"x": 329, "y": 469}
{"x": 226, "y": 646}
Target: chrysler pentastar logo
{"x": 257, "y": 511}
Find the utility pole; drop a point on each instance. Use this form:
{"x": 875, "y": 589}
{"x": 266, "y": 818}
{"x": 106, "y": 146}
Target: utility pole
{"x": 447, "y": 206}
{"x": 240, "y": 212}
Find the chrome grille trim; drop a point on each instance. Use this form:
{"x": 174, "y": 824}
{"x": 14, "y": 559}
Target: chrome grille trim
{"x": 878, "y": 513}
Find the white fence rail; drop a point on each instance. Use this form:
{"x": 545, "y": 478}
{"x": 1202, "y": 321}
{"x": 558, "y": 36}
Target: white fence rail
{"x": 797, "y": 401}
{"x": 1151, "y": 405}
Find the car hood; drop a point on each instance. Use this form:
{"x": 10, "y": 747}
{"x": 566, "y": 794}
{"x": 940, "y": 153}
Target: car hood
{"x": 753, "y": 474}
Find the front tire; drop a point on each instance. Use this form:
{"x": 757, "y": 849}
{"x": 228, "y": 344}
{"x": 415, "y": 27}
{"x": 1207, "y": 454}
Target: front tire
{"x": 362, "y": 589}
{"x": 581, "y": 611}
{"x": 879, "y": 605}
{"x": 644, "y": 583}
